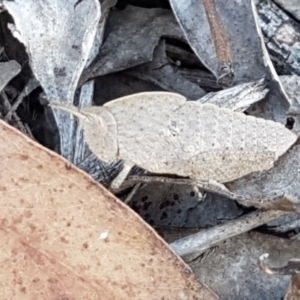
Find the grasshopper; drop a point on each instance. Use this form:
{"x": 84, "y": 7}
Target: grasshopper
{"x": 163, "y": 133}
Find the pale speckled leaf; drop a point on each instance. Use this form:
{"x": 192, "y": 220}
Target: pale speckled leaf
{"x": 58, "y": 36}
{"x": 66, "y": 237}
{"x": 163, "y": 133}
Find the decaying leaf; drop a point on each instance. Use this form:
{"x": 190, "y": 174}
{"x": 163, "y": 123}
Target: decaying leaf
{"x": 58, "y": 36}
{"x": 224, "y": 35}
{"x": 163, "y": 133}
{"x": 8, "y": 71}
{"x": 65, "y": 237}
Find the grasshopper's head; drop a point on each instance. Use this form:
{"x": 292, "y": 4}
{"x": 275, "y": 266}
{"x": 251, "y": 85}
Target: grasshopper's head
{"x": 100, "y": 130}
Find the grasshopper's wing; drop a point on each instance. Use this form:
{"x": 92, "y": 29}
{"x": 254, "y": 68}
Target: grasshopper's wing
{"x": 217, "y": 143}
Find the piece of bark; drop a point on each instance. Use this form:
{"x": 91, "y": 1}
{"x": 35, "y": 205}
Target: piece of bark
{"x": 161, "y": 73}
{"x": 282, "y": 36}
{"x": 131, "y": 36}
{"x": 65, "y": 237}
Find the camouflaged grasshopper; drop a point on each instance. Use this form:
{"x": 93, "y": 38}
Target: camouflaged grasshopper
{"x": 164, "y": 133}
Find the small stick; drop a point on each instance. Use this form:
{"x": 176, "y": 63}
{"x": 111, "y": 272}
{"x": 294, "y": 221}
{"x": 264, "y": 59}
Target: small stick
{"x": 222, "y": 45}
{"x": 132, "y": 192}
{"x": 117, "y": 182}
{"x": 22, "y": 127}
{"x": 201, "y": 241}
{"x": 29, "y": 87}
{"x": 208, "y": 186}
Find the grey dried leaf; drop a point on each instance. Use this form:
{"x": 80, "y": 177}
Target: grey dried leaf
{"x": 160, "y": 72}
{"x": 144, "y": 27}
{"x": 171, "y": 205}
{"x": 274, "y": 188}
{"x": 58, "y": 36}
{"x": 163, "y": 133}
{"x": 274, "y": 106}
{"x": 105, "y": 87}
{"x": 239, "y": 97}
{"x": 224, "y": 34}
{"x": 8, "y": 70}
{"x": 77, "y": 149}
{"x": 291, "y": 6}
{"x": 233, "y": 272}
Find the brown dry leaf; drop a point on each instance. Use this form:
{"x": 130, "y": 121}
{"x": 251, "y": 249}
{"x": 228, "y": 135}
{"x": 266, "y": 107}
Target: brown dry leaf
{"x": 63, "y": 236}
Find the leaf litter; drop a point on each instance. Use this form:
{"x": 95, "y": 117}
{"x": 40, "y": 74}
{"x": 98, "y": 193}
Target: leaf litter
{"x": 225, "y": 57}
